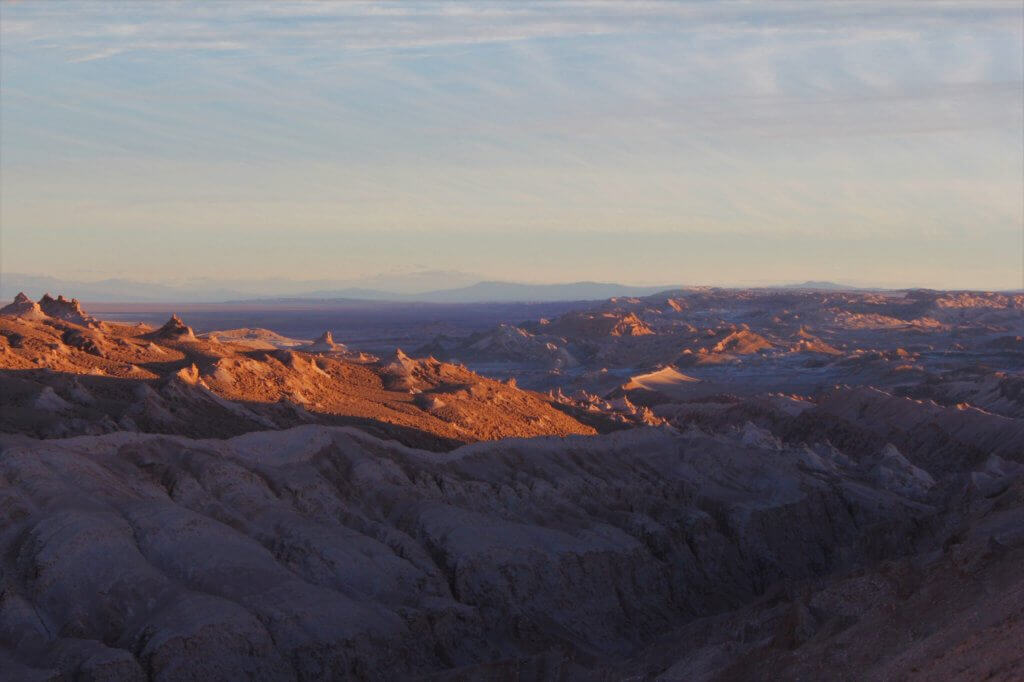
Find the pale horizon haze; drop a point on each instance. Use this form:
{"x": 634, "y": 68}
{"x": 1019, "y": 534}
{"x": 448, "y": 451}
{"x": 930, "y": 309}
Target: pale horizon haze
{"x": 720, "y": 143}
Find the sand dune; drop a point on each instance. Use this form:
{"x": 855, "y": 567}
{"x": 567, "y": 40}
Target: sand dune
{"x": 665, "y": 378}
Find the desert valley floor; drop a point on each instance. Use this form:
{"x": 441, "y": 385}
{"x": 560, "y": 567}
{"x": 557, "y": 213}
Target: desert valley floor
{"x": 703, "y": 484}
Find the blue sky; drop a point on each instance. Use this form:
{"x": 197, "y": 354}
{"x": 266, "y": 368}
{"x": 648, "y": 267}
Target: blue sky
{"x": 704, "y": 142}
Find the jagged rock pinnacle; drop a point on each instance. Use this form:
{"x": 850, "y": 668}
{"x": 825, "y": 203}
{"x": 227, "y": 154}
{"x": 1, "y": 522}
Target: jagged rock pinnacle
{"x": 174, "y": 328}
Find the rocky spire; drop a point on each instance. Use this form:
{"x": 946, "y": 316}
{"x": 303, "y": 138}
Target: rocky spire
{"x": 174, "y": 328}
{"x": 69, "y": 310}
{"x": 23, "y": 306}
{"x": 323, "y": 344}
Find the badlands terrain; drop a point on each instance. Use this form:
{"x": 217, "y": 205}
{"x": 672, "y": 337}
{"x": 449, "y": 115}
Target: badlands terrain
{"x": 701, "y": 484}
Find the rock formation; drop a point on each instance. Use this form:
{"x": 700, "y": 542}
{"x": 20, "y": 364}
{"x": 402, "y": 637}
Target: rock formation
{"x": 324, "y": 344}
{"x": 173, "y": 330}
{"x": 67, "y": 310}
{"x": 217, "y": 388}
{"x": 321, "y": 552}
{"x": 23, "y": 307}
{"x": 832, "y": 489}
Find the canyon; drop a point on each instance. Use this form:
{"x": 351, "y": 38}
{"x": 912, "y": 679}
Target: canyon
{"x": 702, "y": 484}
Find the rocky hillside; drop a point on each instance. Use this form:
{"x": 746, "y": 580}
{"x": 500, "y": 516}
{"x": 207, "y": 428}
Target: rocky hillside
{"x": 65, "y": 374}
{"x": 243, "y": 505}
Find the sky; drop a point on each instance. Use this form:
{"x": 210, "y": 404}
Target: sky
{"x": 747, "y": 143}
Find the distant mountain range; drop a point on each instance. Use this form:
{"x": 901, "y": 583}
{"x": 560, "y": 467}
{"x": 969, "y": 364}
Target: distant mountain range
{"x": 415, "y": 287}
{"x": 434, "y": 286}
{"x": 510, "y": 291}
{"x": 493, "y": 292}
{"x": 488, "y": 292}
{"x": 812, "y": 285}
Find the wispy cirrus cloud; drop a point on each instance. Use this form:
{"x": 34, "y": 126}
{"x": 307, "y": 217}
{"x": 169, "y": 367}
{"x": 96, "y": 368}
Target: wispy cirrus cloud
{"x": 767, "y": 120}
{"x": 116, "y": 28}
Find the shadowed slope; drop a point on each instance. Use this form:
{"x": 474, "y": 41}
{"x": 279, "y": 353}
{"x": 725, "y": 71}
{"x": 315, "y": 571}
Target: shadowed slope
{"x": 320, "y": 552}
